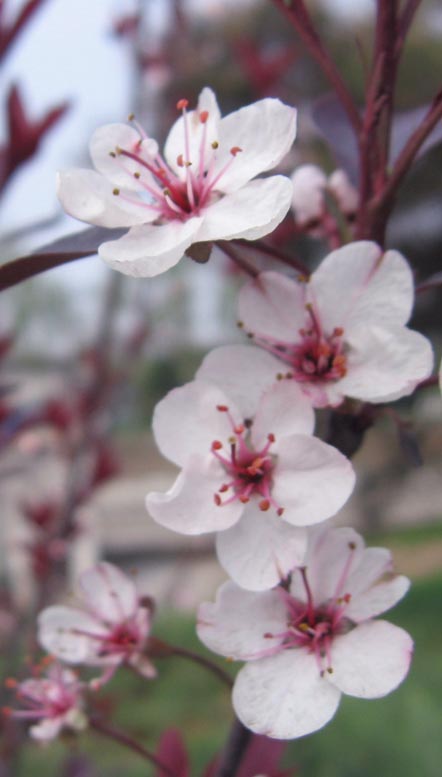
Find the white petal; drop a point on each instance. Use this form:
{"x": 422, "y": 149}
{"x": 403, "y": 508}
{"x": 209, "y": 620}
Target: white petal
{"x": 149, "y": 250}
{"x": 87, "y": 195}
{"x": 47, "y": 729}
{"x": 273, "y": 306}
{"x": 371, "y": 660}
{"x": 377, "y": 599}
{"x": 283, "y": 410}
{"x": 264, "y": 131}
{"x": 235, "y": 625}
{"x": 284, "y": 696}
{"x": 189, "y": 507}
{"x": 311, "y": 480}
{"x": 187, "y": 421}
{"x": 200, "y": 136}
{"x": 242, "y": 372}
{"x": 260, "y": 549}
{"x": 346, "y": 194}
{"x": 332, "y": 556}
{"x": 386, "y": 364}
{"x": 120, "y": 170}
{"x": 357, "y": 284}
{"x": 309, "y": 183}
{"x": 251, "y": 212}
{"x": 63, "y": 632}
{"x": 108, "y": 593}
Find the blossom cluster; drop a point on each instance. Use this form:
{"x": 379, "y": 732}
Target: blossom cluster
{"x": 301, "y": 604}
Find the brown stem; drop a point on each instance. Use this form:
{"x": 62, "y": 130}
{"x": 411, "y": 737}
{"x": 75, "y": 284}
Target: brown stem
{"x": 301, "y": 20}
{"x": 237, "y": 259}
{"x": 234, "y": 750}
{"x": 406, "y": 21}
{"x": 20, "y": 270}
{"x": 159, "y": 649}
{"x": 281, "y": 256}
{"x": 127, "y": 741}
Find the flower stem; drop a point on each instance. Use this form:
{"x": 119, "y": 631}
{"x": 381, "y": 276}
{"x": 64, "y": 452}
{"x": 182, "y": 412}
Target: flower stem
{"x": 131, "y": 744}
{"x": 160, "y": 649}
{"x": 237, "y": 259}
{"x": 237, "y": 743}
{"x": 281, "y": 256}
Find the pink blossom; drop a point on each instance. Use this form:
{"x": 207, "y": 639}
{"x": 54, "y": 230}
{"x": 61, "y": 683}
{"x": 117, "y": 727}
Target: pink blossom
{"x": 201, "y": 191}
{"x": 251, "y": 470}
{"x": 307, "y": 645}
{"x": 310, "y": 187}
{"x": 55, "y": 701}
{"x": 342, "y": 332}
{"x": 110, "y": 629}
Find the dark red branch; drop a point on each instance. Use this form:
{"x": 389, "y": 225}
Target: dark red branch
{"x": 124, "y": 739}
{"x": 20, "y": 270}
{"x": 234, "y": 751}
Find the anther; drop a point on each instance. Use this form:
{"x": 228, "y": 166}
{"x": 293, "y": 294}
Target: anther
{"x": 232, "y": 440}
{"x": 222, "y": 408}
{"x": 338, "y": 331}
{"x": 244, "y": 499}
{"x": 216, "y": 445}
{"x": 131, "y": 117}
{"x": 204, "y": 115}
{"x": 264, "y": 505}
{"x": 271, "y": 437}
{"x": 240, "y": 324}
{"x": 280, "y": 511}
{"x": 137, "y": 175}
{"x": 180, "y": 160}
{"x": 182, "y": 105}
{"x": 235, "y": 150}
{"x": 112, "y": 154}
{"x": 239, "y": 429}
{"x": 352, "y": 545}
{"x": 217, "y": 500}
{"x": 214, "y": 144}
{"x": 223, "y": 488}
{"x": 115, "y": 192}
{"x": 330, "y": 669}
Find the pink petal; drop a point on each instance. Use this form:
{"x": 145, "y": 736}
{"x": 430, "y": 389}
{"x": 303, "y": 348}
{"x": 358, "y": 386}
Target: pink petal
{"x": 251, "y": 212}
{"x": 260, "y": 549}
{"x": 284, "y": 696}
{"x": 265, "y": 132}
{"x": 371, "y": 660}
{"x": 386, "y": 364}
{"x": 236, "y": 624}
{"x": 242, "y": 373}
{"x": 47, "y": 729}
{"x": 88, "y": 196}
{"x": 189, "y": 506}
{"x": 356, "y": 285}
{"x": 108, "y": 593}
{"x": 377, "y": 599}
{"x": 63, "y": 632}
{"x": 120, "y": 170}
{"x": 311, "y": 480}
{"x": 273, "y": 306}
{"x": 149, "y": 250}
{"x": 332, "y": 556}
{"x": 187, "y": 421}
{"x": 175, "y": 143}
{"x": 283, "y": 411}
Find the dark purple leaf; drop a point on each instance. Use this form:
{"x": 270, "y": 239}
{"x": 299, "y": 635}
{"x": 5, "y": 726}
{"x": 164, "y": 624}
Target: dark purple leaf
{"x": 172, "y": 753}
{"x": 61, "y": 251}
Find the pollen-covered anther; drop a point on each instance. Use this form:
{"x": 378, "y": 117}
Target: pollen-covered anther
{"x": 214, "y": 144}
{"x": 264, "y": 505}
{"x": 217, "y": 445}
{"x": 182, "y": 104}
{"x": 338, "y": 331}
{"x": 244, "y": 499}
{"x": 204, "y": 115}
{"x": 222, "y": 489}
{"x": 217, "y": 500}
{"x": 115, "y": 192}
{"x": 222, "y": 408}
{"x": 271, "y": 437}
{"x": 235, "y": 150}
{"x": 239, "y": 429}
{"x": 280, "y": 511}
{"x": 180, "y": 160}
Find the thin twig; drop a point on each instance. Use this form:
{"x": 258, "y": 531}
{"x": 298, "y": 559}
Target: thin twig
{"x": 234, "y": 750}
{"x": 171, "y": 650}
{"x": 406, "y": 21}
{"x": 300, "y": 18}
{"x": 281, "y": 256}
{"x": 238, "y": 260}
{"x": 127, "y": 741}
{"x": 21, "y": 269}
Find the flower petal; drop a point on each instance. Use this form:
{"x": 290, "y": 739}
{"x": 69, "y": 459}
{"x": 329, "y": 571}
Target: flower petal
{"x": 371, "y": 660}
{"x": 283, "y": 410}
{"x": 309, "y": 183}
{"x": 187, "y": 420}
{"x": 237, "y": 623}
{"x": 108, "y": 593}
{"x": 47, "y": 729}
{"x": 242, "y": 372}
{"x": 311, "y": 480}
{"x": 378, "y": 287}
{"x": 264, "y": 131}
{"x": 261, "y": 549}
{"x": 120, "y": 170}
{"x": 63, "y": 632}
{"x": 200, "y": 135}
{"x": 377, "y": 599}
{"x": 249, "y": 213}
{"x": 332, "y": 556}
{"x": 386, "y": 364}
{"x": 88, "y": 196}
{"x": 189, "y": 507}
{"x": 149, "y": 250}
{"x": 273, "y": 306}
{"x": 284, "y": 696}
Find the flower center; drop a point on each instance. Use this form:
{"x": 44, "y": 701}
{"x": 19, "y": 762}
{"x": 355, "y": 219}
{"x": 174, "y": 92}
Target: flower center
{"x": 172, "y": 196}
{"x": 250, "y": 471}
